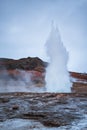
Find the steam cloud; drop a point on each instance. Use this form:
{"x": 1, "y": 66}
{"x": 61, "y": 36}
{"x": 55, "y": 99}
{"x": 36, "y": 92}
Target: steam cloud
{"x": 57, "y": 76}
{"x": 21, "y": 81}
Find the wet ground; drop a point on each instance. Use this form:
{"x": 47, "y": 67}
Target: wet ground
{"x": 43, "y": 111}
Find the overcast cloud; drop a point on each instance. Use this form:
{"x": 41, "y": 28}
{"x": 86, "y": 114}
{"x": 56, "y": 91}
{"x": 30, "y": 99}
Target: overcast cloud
{"x": 25, "y": 26}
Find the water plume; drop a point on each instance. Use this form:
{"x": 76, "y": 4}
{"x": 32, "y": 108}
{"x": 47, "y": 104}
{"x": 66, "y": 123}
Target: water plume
{"x": 57, "y": 76}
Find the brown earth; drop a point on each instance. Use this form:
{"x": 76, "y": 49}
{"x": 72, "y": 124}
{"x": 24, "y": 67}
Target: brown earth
{"x": 23, "y": 64}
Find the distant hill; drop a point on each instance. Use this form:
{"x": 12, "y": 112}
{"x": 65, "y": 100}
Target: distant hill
{"x": 30, "y": 63}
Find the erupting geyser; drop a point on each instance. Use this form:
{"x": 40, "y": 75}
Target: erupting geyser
{"x": 57, "y": 76}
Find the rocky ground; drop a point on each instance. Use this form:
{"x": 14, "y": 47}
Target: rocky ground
{"x": 43, "y": 111}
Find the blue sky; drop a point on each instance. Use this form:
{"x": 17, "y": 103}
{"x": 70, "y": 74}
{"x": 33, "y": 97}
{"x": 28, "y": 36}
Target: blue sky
{"x": 25, "y": 26}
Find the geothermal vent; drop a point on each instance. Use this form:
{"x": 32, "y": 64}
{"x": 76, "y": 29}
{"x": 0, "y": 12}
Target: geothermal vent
{"x": 57, "y": 76}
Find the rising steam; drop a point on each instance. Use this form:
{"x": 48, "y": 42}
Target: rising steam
{"x": 20, "y": 81}
{"x": 57, "y": 76}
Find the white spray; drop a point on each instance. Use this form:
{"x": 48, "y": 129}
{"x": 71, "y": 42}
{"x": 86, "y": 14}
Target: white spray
{"x": 57, "y": 76}
{"x": 18, "y": 83}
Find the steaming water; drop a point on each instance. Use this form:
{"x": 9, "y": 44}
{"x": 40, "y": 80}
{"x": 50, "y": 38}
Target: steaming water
{"x": 57, "y": 76}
